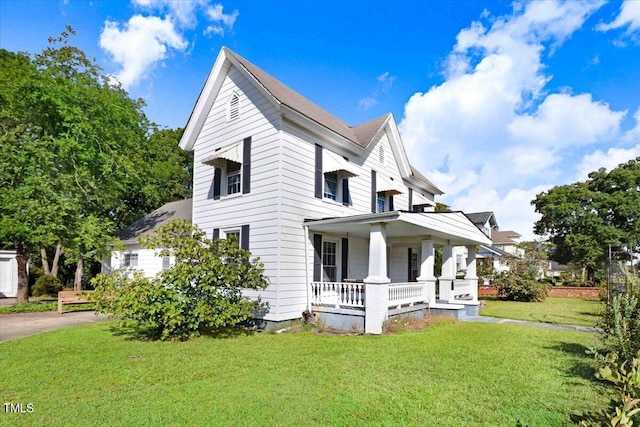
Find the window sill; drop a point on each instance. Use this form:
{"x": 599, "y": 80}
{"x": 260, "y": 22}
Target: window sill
{"x": 334, "y": 202}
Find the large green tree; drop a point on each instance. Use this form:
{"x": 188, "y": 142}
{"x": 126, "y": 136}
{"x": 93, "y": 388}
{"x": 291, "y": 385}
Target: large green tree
{"x": 583, "y": 218}
{"x": 80, "y": 159}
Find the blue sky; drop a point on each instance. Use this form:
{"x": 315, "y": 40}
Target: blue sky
{"x": 495, "y": 101}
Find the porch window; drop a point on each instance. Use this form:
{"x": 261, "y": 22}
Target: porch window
{"x": 331, "y": 185}
{"x": 233, "y": 177}
{"x": 329, "y": 261}
{"x": 130, "y": 260}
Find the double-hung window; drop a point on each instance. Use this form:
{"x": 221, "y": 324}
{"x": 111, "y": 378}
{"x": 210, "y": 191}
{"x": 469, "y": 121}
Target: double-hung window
{"x": 233, "y": 177}
{"x": 331, "y": 185}
{"x": 381, "y": 202}
{"x": 233, "y": 235}
{"x": 329, "y": 261}
{"x": 130, "y": 260}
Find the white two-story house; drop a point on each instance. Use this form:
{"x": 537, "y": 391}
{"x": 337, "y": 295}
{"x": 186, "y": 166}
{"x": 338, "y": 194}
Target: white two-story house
{"x": 341, "y": 220}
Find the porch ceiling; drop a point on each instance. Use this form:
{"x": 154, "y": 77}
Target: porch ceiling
{"x": 453, "y": 227}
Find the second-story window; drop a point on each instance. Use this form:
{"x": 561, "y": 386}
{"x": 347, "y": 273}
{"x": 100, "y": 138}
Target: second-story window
{"x": 331, "y": 185}
{"x": 381, "y": 202}
{"x": 233, "y": 177}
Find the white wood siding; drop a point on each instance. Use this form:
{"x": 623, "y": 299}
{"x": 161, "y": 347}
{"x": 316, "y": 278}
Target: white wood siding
{"x": 259, "y": 209}
{"x": 299, "y": 203}
{"x": 148, "y": 261}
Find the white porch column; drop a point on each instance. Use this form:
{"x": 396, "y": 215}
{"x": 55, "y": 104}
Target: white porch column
{"x": 427, "y": 276}
{"x": 472, "y": 276}
{"x": 448, "y": 273}
{"x": 377, "y": 282}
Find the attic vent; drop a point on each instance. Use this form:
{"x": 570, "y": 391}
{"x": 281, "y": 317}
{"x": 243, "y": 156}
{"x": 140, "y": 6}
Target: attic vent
{"x": 381, "y": 154}
{"x": 234, "y": 107}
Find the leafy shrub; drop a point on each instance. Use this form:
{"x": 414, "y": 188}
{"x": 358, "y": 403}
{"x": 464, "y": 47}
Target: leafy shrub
{"x": 201, "y": 291}
{"x": 619, "y": 327}
{"x": 47, "y": 285}
{"x": 625, "y": 378}
{"x": 514, "y": 286}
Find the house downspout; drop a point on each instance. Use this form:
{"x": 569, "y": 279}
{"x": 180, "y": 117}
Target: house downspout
{"x": 306, "y": 265}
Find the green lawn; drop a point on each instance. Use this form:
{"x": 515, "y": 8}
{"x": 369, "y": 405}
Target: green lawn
{"x": 567, "y": 311}
{"x": 456, "y": 374}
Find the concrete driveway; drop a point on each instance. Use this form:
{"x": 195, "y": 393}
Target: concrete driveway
{"x": 21, "y": 325}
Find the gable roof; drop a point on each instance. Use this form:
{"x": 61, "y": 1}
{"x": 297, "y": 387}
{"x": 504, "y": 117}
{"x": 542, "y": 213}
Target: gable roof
{"x": 504, "y": 237}
{"x": 292, "y": 99}
{"x": 148, "y": 224}
{"x": 361, "y": 135}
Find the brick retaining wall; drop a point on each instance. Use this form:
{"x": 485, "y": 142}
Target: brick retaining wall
{"x": 554, "y": 291}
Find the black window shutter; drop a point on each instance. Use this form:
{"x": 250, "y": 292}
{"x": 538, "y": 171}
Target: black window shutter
{"x": 409, "y": 278}
{"x": 410, "y": 199}
{"x": 317, "y": 257}
{"x": 374, "y": 194}
{"x": 216, "y": 233}
{"x": 246, "y": 165}
{"x": 345, "y": 258}
{"x": 390, "y": 203}
{"x": 217, "y": 181}
{"x": 345, "y": 191}
{"x": 244, "y": 237}
{"x": 318, "y": 173}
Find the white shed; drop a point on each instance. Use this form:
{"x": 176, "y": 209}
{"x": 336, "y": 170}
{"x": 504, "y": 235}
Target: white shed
{"x": 8, "y": 274}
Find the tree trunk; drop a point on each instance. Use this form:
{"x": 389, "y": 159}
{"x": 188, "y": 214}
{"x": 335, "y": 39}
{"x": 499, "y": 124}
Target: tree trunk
{"x": 56, "y": 260}
{"x": 45, "y": 261}
{"x": 22, "y": 257}
{"x": 77, "y": 280}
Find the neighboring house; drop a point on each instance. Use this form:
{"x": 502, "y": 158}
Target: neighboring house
{"x": 485, "y": 221}
{"x": 135, "y": 257}
{"x": 507, "y": 241}
{"x": 343, "y": 223}
{"x": 8, "y": 274}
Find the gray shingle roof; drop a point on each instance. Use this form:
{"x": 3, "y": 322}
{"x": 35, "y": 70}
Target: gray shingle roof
{"x": 479, "y": 217}
{"x": 147, "y": 225}
{"x": 361, "y": 134}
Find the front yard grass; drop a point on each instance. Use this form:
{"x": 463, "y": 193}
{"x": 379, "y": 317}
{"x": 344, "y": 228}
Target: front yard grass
{"x": 451, "y": 374}
{"x": 565, "y": 311}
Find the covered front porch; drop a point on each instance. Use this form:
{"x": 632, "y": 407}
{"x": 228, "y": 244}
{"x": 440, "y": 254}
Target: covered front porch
{"x": 369, "y": 267}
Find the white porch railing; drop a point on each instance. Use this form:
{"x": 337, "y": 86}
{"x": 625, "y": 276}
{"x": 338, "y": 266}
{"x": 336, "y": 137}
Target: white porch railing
{"x": 350, "y": 294}
{"x": 458, "y": 289}
{"x": 338, "y": 294}
{"x": 407, "y": 293}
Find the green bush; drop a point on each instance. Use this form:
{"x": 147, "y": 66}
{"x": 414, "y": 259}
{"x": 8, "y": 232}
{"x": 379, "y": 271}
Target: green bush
{"x": 202, "y": 291}
{"x": 519, "y": 287}
{"x": 619, "y": 327}
{"x": 47, "y": 285}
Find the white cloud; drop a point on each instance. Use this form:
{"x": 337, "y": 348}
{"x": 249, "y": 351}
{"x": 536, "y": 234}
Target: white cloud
{"x": 385, "y": 81}
{"x": 633, "y": 135}
{"x": 629, "y": 17}
{"x": 139, "y": 44}
{"x": 490, "y": 135}
{"x": 221, "y": 20}
{"x": 183, "y": 12}
{"x": 563, "y": 120}
{"x": 609, "y": 160}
